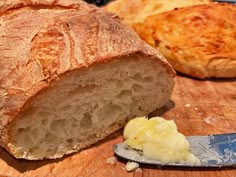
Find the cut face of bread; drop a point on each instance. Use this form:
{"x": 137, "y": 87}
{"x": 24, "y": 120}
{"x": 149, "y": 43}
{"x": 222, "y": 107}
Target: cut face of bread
{"x": 85, "y": 106}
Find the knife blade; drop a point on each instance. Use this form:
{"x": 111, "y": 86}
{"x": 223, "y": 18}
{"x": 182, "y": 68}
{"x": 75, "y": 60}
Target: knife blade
{"x": 103, "y": 2}
{"x": 213, "y": 151}
{"x": 228, "y": 1}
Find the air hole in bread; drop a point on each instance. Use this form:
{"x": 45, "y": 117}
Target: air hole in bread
{"x": 69, "y": 141}
{"x": 81, "y": 90}
{"x": 33, "y": 149}
{"x": 23, "y": 130}
{"x": 137, "y": 88}
{"x": 50, "y": 151}
{"x": 35, "y": 133}
{"x": 148, "y": 79}
{"x": 51, "y": 137}
{"x": 58, "y": 125}
{"x": 109, "y": 111}
{"x": 44, "y": 122}
{"x": 86, "y": 121}
{"x": 124, "y": 94}
{"x": 20, "y": 130}
{"x": 138, "y": 77}
{"x": 140, "y": 108}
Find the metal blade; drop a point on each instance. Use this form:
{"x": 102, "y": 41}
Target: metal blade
{"x": 229, "y": 1}
{"x": 212, "y": 150}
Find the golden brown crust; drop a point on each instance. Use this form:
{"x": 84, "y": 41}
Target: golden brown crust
{"x": 134, "y": 11}
{"x": 42, "y": 40}
{"x": 198, "y": 41}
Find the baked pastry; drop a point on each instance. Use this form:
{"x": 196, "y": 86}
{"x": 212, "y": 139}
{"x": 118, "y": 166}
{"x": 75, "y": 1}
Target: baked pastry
{"x": 197, "y": 40}
{"x": 134, "y": 11}
{"x": 71, "y": 74}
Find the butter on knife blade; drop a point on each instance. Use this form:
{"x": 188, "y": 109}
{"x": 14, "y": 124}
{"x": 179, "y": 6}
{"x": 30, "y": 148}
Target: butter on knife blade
{"x": 158, "y": 139}
{"x": 211, "y": 150}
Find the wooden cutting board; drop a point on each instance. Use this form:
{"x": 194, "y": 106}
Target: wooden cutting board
{"x": 198, "y": 108}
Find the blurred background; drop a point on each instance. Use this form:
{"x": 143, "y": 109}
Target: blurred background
{"x": 98, "y": 2}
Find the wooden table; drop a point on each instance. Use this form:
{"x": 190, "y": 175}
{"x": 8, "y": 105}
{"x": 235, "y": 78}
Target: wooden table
{"x": 198, "y": 108}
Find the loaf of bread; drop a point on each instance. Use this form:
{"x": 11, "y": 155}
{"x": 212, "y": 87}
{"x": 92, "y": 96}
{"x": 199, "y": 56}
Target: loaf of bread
{"x": 70, "y": 75}
{"x": 135, "y": 11}
{"x": 199, "y": 41}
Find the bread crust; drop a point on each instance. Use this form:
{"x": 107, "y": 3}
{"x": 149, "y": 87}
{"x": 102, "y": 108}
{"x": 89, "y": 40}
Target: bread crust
{"x": 40, "y": 41}
{"x": 135, "y": 11}
{"x": 198, "y": 40}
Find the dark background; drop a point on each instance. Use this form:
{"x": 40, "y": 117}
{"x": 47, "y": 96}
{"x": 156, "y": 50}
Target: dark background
{"x": 98, "y": 2}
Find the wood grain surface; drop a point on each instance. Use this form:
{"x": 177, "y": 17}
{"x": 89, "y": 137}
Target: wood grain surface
{"x": 198, "y": 108}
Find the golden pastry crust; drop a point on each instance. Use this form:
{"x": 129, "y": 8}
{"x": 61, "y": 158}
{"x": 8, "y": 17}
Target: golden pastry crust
{"x": 134, "y": 11}
{"x": 199, "y": 40}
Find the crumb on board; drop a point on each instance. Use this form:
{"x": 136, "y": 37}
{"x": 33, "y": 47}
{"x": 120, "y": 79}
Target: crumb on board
{"x": 187, "y": 105}
{"x": 131, "y": 166}
{"x": 139, "y": 170}
{"x": 209, "y": 120}
{"x": 111, "y": 160}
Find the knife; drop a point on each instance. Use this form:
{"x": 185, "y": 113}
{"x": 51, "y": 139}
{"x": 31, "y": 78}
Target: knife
{"x": 230, "y": 1}
{"x": 103, "y": 2}
{"x": 213, "y": 151}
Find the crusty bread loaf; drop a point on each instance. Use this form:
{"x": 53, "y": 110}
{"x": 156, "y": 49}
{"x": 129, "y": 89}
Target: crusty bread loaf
{"x": 70, "y": 75}
{"x": 199, "y": 40}
{"x": 135, "y": 11}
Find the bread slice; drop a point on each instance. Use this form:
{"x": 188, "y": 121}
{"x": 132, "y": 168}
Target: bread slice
{"x": 135, "y": 11}
{"x": 198, "y": 41}
{"x": 72, "y": 76}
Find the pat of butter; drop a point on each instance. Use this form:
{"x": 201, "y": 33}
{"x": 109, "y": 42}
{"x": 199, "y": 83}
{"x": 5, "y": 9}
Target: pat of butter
{"x": 159, "y": 139}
